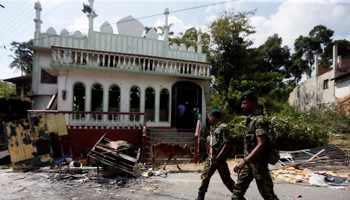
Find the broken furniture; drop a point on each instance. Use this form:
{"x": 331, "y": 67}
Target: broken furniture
{"x": 102, "y": 154}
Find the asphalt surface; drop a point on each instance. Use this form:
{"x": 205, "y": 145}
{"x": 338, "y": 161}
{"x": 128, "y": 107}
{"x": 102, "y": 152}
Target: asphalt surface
{"x": 184, "y": 185}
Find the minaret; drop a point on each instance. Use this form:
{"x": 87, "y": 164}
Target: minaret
{"x": 199, "y": 44}
{"x": 91, "y": 17}
{"x": 38, "y": 22}
{"x": 166, "y": 32}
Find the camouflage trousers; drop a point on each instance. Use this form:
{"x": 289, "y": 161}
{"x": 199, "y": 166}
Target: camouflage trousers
{"x": 224, "y": 172}
{"x": 261, "y": 173}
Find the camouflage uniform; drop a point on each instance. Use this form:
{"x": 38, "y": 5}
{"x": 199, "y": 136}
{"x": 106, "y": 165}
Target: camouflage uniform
{"x": 257, "y": 125}
{"x": 220, "y": 137}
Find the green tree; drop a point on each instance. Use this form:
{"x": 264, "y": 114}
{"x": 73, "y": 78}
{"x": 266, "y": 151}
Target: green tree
{"x": 7, "y": 89}
{"x": 343, "y": 50}
{"x": 273, "y": 56}
{"x": 238, "y": 68}
{"x": 161, "y": 29}
{"x": 307, "y": 48}
{"x": 229, "y": 55}
{"x": 23, "y": 57}
{"x": 190, "y": 38}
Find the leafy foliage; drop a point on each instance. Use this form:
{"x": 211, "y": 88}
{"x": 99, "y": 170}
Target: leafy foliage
{"x": 306, "y": 48}
{"x": 190, "y": 38}
{"x": 293, "y": 131}
{"x": 23, "y": 59}
{"x": 7, "y": 89}
{"x": 238, "y": 68}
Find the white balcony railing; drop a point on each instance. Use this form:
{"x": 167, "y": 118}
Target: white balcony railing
{"x": 103, "y": 59}
{"x": 97, "y": 120}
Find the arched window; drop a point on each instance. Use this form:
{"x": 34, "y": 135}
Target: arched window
{"x": 79, "y": 97}
{"x": 96, "y": 97}
{"x": 135, "y": 93}
{"x": 149, "y": 104}
{"x": 114, "y": 100}
{"x": 164, "y": 105}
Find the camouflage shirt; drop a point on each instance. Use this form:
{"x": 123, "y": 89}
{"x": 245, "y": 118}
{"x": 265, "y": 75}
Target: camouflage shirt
{"x": 220, "y": 136}
{"x": 257, "y": 125}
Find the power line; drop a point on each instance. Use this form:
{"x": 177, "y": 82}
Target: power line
{"x": 149, "y": 16}
{"x": 13, "y": 14}
{"x": 20, "y": 32}
{"x": 8, "y": 31}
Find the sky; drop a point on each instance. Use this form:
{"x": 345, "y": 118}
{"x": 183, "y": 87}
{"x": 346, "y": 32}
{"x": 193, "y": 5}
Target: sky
{"x": 288, "y": 18}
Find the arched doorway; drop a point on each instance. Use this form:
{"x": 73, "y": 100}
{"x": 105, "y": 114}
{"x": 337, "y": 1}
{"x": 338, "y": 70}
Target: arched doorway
{"x": 186, "y": 92}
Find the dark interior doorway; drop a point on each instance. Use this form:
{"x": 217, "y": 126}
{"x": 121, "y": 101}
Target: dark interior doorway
{"x": 188, "y": 93}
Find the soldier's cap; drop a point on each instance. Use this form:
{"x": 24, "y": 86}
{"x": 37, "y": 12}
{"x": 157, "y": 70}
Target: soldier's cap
{"x": 216, "y": 113}
{"x": 248, "y": 95}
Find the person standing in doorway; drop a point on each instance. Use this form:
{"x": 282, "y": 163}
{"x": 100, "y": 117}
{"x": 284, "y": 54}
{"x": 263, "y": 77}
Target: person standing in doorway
{"x": 254, "y": 164}
{"x": 220, "y": 144}
{"x": 182, "y": 110}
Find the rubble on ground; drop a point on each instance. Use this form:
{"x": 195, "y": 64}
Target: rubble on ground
{"x": 307, "y": 176}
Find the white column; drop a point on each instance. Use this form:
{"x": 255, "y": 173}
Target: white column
{"x": 166, "y": 32}
{"x": 38, "y": 22}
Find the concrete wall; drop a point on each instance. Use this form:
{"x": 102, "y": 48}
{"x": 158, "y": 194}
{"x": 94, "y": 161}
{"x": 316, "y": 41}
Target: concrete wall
{"x": 310, "y": 94}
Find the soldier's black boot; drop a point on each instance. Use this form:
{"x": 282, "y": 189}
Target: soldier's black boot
{"x": 200, "y": 195}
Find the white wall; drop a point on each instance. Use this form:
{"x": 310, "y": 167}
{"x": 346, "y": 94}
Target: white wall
{"x": 342, "y": 87}
{"x": 125, "y": 81}
{"x": 310, "y": 94}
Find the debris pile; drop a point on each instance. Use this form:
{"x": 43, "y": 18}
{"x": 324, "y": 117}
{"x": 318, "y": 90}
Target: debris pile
{"x": 113, "y": 156}
{"x": 307, "y": 176}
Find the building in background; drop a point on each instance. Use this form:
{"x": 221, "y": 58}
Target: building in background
{"x": 328, "y": 88}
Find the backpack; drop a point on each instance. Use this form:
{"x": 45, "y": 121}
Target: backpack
{"x": 274, "y": 153}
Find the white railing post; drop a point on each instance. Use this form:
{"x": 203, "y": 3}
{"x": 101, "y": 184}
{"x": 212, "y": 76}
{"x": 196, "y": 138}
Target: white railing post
{"x": 112, "y": 126}
{"x": 69, "y": 116}
{"x": 148, "y": 64}
{"x": 157, "y": 66}
{"x": 124, "y": 63}
{"x": 175, "y": 68}
{"x": 96, "y": 120}
{"x": 87, "y": 58}
{"x": 75, "y": 57}
{"x": 80, "y": 121}
{"x": 129, "y": 63}
{"x": 143, "y": 64}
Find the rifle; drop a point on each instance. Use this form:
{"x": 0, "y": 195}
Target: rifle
{"x": 211, "y": 146}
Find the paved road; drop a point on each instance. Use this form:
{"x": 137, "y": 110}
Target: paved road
{"x": 178, "y": 185}
{"x": 184, "y": 185}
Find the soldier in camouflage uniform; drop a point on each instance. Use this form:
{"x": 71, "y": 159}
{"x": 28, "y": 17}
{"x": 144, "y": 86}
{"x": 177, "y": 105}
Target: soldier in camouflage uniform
{"x": 221, "y": 145}
{"x": 254, "y": 165}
